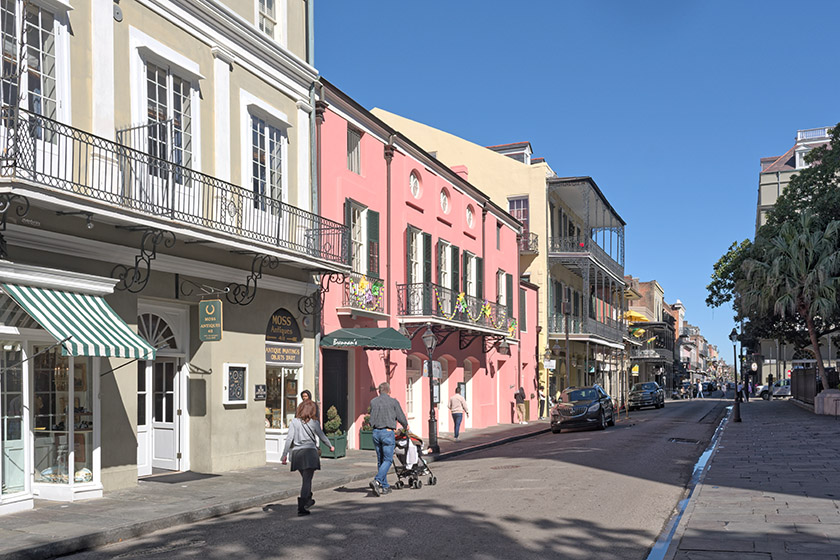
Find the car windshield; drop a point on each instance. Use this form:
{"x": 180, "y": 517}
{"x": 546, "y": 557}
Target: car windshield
{"x": 579, "y": 395}
{"x": 644, "y": 387}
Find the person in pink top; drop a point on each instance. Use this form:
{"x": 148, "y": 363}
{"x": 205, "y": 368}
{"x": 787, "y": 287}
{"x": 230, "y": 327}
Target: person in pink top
{"x": 458, "y": 407}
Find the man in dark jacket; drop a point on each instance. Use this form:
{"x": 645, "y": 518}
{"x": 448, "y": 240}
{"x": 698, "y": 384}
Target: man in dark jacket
{"x": 385, "y": 412}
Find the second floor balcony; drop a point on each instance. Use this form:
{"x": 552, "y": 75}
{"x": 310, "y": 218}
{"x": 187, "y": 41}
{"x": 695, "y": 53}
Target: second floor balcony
{"x": 609, "y": 329}
{"x": 80, "y": 168}
{"x": 574, "y": 247}
{"x": 363, "y": 295}
{"x": 432, "y": 301}
{"x": 529, "y": 244}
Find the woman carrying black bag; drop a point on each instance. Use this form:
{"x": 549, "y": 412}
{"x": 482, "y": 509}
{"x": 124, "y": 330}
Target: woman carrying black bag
{"x": 302, "y": 439}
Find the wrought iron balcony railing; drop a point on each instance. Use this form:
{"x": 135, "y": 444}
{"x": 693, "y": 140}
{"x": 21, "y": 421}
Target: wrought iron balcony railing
{"x": 610, "y": 329}
{"x": 364, "y": 292}
{"x": 64, "y": 158}
{"x": 529, "y": 243}
{"x": 585, "y": 245}
{"x": 432, "y": 300}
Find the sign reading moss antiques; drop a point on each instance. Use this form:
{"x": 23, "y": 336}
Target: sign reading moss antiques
{"x": 210, "y": 320}
{"x": 283, "y": 342}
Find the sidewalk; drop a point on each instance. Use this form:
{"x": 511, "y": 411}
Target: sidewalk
{"x": 771, "y": 490}
{"x": 58, "y": 528}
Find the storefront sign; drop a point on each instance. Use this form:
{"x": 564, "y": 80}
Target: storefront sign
{"x": 286, "y": 354}
{"x": 282, "y": 327}
{"x": 549, "y": 364}
{"x": 259, "y": 392}
{"x": 210, "y": 320}
{"x": 235, "y": 384}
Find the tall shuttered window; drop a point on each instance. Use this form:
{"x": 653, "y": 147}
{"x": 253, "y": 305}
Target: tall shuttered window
{"x": 267, "y": 16}
{"x": 523, "y": 309}
{"x": 354, "y": 149}
{"x": 169, "y": 120}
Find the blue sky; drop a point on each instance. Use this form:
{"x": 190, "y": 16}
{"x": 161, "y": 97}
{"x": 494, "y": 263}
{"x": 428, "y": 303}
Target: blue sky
{"x": 667, "y": 105}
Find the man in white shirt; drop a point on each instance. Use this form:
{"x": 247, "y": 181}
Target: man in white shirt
{"x": 458, "y": 407}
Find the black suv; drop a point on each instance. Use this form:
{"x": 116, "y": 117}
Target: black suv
{"x": 583, "y": 406}
{"x": 646, "y": 394}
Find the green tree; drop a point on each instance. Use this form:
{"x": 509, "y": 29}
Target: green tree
{"x": 796, "y": 274}
{"x": 726, "y": 272}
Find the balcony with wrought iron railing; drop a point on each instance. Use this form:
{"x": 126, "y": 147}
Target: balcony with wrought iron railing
{"x": 563, "y": 246}
{"x": 364, "y": 293}
{"x": 431, "y": 300}
{"x": 61, "y": 158}
{"x": 529, "y": 244}
{"x": 655, "y": 354}
{"x": 609, "y": 329}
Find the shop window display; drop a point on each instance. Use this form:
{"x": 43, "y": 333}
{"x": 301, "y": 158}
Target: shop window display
{"x": 281, "y": 397}
{"x": 11, "y": 418}
{"x": 63, "y": 418}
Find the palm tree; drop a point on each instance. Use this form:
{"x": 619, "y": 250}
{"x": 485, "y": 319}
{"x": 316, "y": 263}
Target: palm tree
{"x": 797, "y": 273}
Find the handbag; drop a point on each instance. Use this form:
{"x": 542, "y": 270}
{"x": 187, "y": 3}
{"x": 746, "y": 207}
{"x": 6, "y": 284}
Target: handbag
{"x": 317, "y": 443}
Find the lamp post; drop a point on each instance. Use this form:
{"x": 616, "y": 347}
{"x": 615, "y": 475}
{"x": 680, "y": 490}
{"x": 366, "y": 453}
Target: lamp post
{"x": 430, "y": 340}
{"x": 736, "y": 410}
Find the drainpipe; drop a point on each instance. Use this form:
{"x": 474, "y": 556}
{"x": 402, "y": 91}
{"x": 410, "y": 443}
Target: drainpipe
{"x": 315, "y": 120}
{"x": 389, "y": 155}
{"x": 310, "y": 32}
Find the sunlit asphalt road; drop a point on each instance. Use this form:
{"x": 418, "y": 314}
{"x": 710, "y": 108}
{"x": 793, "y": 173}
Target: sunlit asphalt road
{"x": 580, "y": 494}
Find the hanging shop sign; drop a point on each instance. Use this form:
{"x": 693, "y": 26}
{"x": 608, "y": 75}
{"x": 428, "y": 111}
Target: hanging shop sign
{"x": 284, "y": 354}
{"x": 282, "y": 327}
{"x": 210, "y": 320}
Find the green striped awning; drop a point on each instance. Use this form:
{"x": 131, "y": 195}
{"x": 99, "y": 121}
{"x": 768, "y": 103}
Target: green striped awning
{"x": 93, "y": 328}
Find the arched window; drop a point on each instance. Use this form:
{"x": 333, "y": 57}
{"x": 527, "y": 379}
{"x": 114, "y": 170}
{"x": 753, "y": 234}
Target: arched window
{"x": 803, "y": 355}
{"x": 156, "y": 332}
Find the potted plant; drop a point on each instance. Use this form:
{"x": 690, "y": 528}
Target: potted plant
{"x": 338, "y": 439}
{"x": 366, "y": 433}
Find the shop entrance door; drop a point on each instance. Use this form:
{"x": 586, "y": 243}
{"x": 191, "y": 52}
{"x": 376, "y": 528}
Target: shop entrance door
{"x": 158, "y": 416}
{"x": 335, "y": 384}
{"x": 166, "y": 411}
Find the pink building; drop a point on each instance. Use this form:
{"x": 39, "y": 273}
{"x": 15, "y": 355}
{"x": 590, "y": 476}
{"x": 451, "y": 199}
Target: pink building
{"x": 428, "y": 250}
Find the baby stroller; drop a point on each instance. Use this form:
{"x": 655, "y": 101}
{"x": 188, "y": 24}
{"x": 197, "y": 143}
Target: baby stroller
{"x": 410, "y": 464}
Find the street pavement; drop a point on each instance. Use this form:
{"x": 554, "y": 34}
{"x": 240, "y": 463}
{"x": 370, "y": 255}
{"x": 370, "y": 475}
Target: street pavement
{"x": 58, "y": 528}
{"x": 771, "y": 490}
{"x": 581, "y": 494}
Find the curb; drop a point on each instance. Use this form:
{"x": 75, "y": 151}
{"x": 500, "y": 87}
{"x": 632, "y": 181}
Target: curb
{"x": 673, "y": 547}
{"x": 141, "y": 528}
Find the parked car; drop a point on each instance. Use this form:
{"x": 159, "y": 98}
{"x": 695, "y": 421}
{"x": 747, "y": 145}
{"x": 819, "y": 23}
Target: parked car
{"x": 781, "y": 388}
{"x": 646, "y": 394}
{"x": 583, "y": 406}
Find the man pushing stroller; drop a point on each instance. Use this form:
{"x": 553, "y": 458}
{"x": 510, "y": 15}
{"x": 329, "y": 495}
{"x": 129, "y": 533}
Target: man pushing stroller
{"x": 385, "y": 412}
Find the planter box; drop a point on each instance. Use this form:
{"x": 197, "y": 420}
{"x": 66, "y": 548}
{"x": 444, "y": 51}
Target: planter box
{"x": 366, "y": 440}
{"x": 340, "y": 444}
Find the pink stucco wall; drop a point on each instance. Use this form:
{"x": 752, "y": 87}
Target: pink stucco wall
{"x": 494, "y": 377}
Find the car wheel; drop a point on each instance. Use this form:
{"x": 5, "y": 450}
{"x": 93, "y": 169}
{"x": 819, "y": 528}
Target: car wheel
{"x": 765, "y": 395}
{"x": 555, "y": 430}
{"x": 612, "y": 418}
{"x": 602, "y": 420}
{"x": 662, "y": 404}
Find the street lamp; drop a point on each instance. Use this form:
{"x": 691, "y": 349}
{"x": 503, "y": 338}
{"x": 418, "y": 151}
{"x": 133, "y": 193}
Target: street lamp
{"x": 736, "y": 410}
{"x": 430, "y": 340}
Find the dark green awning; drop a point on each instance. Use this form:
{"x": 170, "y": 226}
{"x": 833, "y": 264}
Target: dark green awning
{"x": 375, "y": 339}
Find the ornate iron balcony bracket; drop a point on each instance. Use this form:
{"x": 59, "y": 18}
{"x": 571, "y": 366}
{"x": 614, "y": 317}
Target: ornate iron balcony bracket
{"x": 136, "y": 278}
{"x": 308, "y": 305}
{"x": 490, "y": 341}
{"x": 6, "y": 201}
{"x": 465, "y": 338}
{"x": 244, "y": 294}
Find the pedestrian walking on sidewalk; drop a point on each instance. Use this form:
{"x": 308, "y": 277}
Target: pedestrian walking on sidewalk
{"x": 700, "y": 390}
{"x": 385, "y": 412}
{"x": 458, "y": 407}
{"x": 302, "y": 440}
{"x": 519, "y": 397}
{"x": 541, "y": 397}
